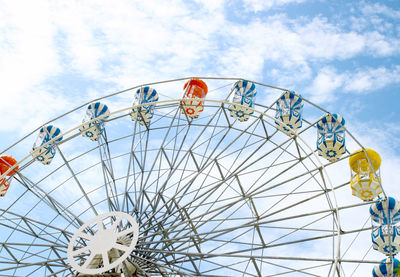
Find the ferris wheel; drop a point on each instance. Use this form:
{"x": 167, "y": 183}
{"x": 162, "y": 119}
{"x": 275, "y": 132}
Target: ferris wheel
{"x": 198, "y": 177}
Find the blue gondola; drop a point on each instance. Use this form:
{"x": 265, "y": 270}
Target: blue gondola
{"x": 91, "y": 128}
{"x": 387, "y": 268}
{"x": 385, "y": 234}
{"x": 289, "y": 109}
{"x": 331, "y": 137}
{"x": 145, "y": 113}
{"x": 46, "y": 154}
{"x": 243, "y": 93}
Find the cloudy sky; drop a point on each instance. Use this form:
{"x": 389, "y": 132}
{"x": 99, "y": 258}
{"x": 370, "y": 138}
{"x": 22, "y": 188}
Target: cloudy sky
{"x": 343, "y": 56}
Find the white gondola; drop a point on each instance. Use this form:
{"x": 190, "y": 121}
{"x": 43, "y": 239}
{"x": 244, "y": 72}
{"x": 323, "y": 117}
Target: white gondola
{"x": 143, "y": 114}
{"x": 243, "y": 96}
{"x": 385, "y": 235}
{"x": 91, "y": 128}
{"x": 387, "y": 268}
{"x": 43, "y": 152}
{"x": 289, "y": 109}
{"x": 331, "y": 137}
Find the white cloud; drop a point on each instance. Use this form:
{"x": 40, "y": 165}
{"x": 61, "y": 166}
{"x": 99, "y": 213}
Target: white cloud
{"x": 372, "y": 79}
{"x": 260, "y": 5}
{"x": 322, "y": 40}
{"x": 379, "y": 8}
{"x": 28, "y": 58}
{"x": 329, "y": 84}
{"x": 212, "y": 5}
{"x": 286, "y": 46}
{"x": 106, "y": 42}
{"x": 379, "y": 45}
{"x": 143, "y": 40}
{"x": 324, "y": 85}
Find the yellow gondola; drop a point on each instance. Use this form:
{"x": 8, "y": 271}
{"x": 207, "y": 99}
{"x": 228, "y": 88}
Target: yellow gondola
{"x": 365, "y": 184}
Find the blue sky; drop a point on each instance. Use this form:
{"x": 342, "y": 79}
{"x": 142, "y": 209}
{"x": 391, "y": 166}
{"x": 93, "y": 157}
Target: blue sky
{"x": 342, "y": 55}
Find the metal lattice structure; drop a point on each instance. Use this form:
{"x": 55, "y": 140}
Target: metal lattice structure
{"x": 212, "y": 196}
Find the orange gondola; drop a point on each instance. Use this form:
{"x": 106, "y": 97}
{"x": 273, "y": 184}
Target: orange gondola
{"x": 5, "y": 163}
{"x": 195, "y": 91}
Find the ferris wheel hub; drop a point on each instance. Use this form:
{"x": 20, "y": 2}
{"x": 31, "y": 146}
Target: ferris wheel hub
{"x": 103, "y": 243}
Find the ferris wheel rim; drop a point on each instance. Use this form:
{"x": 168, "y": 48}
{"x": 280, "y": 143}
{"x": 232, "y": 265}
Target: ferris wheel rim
{"x": 260, "y": 113}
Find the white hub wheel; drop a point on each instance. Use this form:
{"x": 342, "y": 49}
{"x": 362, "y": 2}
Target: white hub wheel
{"x": 97, "y": 239}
